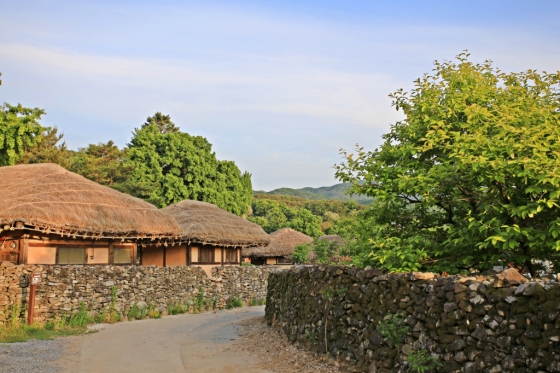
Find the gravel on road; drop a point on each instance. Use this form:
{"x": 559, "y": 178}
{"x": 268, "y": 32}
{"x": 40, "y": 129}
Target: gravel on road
{"x": 33, "y": 356}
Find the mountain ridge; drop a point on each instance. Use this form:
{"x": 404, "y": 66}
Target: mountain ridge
{"x": 335, "y": 192}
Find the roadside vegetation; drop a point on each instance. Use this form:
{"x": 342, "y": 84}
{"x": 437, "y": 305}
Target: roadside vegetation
{"x": 15, "y": 329}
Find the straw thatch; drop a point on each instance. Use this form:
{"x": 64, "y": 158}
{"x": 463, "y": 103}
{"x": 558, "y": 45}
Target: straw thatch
{"x": 47, "y": 198}
{"x": 282, "y": 244}
{"x": 333, "y": 239}
{"x": 206, "y": 223}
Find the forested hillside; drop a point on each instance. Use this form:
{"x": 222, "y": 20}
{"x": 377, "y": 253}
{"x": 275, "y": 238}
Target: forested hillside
{"x": 336, "y": 192}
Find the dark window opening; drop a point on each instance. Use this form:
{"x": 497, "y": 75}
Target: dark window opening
{"x": 206, "y": 255}
{"x": 231, "y": 256}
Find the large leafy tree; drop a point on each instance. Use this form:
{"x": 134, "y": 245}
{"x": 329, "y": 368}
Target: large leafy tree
{"x": 470, "y": 178}
{"x": 184, "y": 167}
{"x": 19, "y": 130}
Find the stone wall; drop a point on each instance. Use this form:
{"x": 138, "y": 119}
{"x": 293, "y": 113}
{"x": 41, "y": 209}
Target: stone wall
{"x": 488, "y": 324}
{"x": 64, "y": 288}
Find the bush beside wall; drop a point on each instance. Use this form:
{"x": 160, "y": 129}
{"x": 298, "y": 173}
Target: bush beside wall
{"x": 469, "y": 324}
{"x": 64, "y": 288}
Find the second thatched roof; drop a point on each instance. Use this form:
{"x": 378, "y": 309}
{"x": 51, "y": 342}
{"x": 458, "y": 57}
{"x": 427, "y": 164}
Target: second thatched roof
{"x": 206, "y": 223}
{"x": 47, "y": 198}
{"x": 282, "y": 243}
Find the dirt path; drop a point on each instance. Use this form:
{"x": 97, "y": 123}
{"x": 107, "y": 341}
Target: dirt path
{"x": 183, "y": 343}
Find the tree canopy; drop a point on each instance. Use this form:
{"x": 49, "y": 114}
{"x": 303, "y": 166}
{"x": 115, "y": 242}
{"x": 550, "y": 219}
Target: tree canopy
{"x": 19, "y": 130}
{"x": 470, "y": 178}
{"x": 184, "y": 167}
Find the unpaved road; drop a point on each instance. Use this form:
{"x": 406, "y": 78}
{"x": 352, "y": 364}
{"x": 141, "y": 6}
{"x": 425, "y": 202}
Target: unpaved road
{"x": 182, "y": 343}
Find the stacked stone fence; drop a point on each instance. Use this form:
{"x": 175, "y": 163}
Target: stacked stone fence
{"x": 491, "y": 324}
{"x": 64, "y": 288}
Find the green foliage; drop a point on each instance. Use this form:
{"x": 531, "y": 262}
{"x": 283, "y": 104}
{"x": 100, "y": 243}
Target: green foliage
{"x": 245, "y": 264}
{"x": 420, "y": 361}
{"x": 327, "y": 293}
{"x": 305, "y": 222}
{"x": 469, "y": 178}
{"x": 19, "y": 130}
{"x": 273, "y": 215}
{"x": 273, "y": 212}
{"x": 301, "y": 253}
{"x": 182, "y": 166}
{"x": 325, "y": 250}
{"x": 81, "y": 318}
{"x": 137, "y": 313}
{"x": 257, "y": 302}
{"x": 177, "y": 308}
{"x": 310, "y": 335}
{"x": 153, "y": 313}
{"x": 234, "y": 303}
{"x": 49, "y": 148}
{"x": 393, "y": 328}
{"x": 341, "y": 291}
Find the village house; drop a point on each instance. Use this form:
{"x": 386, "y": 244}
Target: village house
{"x": 280, "y": 249}
{"x": 209, "y": 237}
{"x": 49, "y": 215}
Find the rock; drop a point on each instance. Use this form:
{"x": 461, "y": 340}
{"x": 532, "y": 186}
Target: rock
{"x": 407, "y": 349}
{"x": 509, "y": 277}
{"x": 510, "y": 299}
{"x": 422, "y": 276}
{"x": 477, "y": 300}
{"x": 496, "y": 369}
{"x": 531, "y": 288}
{"x": 449, "y": 307}
{"x": 520, "y": 289}
{"x": 459, "y": 288}
{"x": 460, "y": 357}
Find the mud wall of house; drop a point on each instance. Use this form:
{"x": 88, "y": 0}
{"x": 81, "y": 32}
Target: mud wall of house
{"x": 64, "y": 288}
{"x": 469, "y": 324}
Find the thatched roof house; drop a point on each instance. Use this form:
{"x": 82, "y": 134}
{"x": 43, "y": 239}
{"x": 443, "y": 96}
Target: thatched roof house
{"x": 211, "y": 236}
{"x": 280, "y": 249}
{"x": 45, "y": 201}
{"x": 205, "y": 223}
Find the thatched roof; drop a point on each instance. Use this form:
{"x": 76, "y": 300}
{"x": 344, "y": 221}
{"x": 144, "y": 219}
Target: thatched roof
{"x": 46, "y": 197}
{"x": 282, "y": 243}
{"x": 206, "y": 223}
{"x": 334, "y": 238}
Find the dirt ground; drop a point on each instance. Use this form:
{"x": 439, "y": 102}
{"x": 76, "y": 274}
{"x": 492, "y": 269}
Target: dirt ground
{"x": 234, "y": 341}
{"x": 275, "y": 353}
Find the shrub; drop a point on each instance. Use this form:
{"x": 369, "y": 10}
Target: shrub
{"x": 393, "y": 328}
{"x": 234, "y": 303}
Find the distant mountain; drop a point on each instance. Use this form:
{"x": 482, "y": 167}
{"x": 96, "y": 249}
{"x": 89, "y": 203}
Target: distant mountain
{"x": 335, "y": 192}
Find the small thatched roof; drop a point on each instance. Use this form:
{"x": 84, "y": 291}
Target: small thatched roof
{"x": 206, "y": 223}
{"x": 282, "y": 243}
{"x": 47, "y": 198}
{"x": 334, "y": 238}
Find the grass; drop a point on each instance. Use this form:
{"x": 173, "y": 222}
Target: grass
{"x": 257, "y": 302}
{"x": 16, "y": 330}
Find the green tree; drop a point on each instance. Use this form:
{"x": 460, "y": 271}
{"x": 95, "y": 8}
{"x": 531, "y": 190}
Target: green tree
{"x": 50, "y": 149}
{"x": 305, "y": 222}
{"x": 471, "y": 177}
{"x": 19, "y": 130}
{"x": 162, "y": 122}
{"x": 184, "y": 167}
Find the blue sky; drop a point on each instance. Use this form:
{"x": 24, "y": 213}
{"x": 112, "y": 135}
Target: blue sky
{"x": 278, "y": 88}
